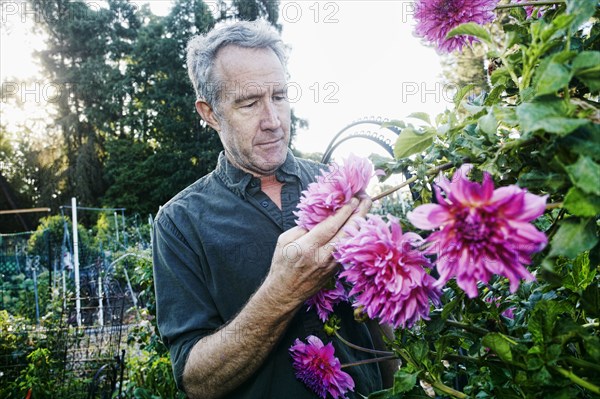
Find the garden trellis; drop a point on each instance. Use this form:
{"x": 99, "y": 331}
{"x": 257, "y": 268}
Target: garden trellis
{"x": 19, "y": 273}
{"x": 82, "y": 345}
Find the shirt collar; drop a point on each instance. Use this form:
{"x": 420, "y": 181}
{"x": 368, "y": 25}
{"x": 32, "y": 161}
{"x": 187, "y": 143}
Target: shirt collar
{"x": 237, "y": 180}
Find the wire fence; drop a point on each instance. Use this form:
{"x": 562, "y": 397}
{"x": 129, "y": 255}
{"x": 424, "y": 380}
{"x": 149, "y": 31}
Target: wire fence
{"x": 78, "y": 335}
{"x": 82, "y": 362}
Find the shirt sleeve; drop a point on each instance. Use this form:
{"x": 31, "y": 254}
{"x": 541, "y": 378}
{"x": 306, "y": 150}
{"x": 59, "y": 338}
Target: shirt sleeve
{"x": 185, "y": 309}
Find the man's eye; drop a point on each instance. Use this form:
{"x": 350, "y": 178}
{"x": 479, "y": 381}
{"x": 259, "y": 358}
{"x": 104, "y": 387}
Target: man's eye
{"x": 280, "y": 97}
{"x": 249, "y": 105}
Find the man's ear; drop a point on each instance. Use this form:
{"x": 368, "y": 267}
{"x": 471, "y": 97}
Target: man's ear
{"x": 208, "y": 115}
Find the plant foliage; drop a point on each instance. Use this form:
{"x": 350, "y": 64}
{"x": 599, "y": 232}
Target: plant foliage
{"x": 538, "y": 127}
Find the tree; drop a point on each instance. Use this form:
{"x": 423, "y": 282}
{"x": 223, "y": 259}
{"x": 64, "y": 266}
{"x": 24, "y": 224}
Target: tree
{"x": 165, "y": 148}
{"x": 83, "y": 57}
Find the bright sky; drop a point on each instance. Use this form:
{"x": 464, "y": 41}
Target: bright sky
{"x": 349, "y": 59}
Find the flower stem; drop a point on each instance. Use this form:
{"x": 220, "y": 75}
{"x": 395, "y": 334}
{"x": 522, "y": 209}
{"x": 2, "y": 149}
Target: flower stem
{"x": 372, "y": 360}
{"x": 510, "y": 70}
{"x": 431, "y": 171}
{"x": 582, "y": 363}
{"x": 446, "y": 389}
{"x": 530, "y": 3}
{"x": 554, "y": 205}
{"x": 467, "y": 327}
{"x": 362, "y": 349}
{"x": 578, "y": 380}
{"x": 394, "y": 189}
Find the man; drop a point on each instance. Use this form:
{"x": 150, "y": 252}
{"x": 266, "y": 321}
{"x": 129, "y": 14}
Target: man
{"x": 232, "y": 271}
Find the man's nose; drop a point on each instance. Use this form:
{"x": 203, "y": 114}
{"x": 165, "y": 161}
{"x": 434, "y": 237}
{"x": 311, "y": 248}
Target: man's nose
{"x": 270, "y": 117}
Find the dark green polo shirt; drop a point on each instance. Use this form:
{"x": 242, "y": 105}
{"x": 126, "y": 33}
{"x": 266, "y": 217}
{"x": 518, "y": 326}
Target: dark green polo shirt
{"x": 212, "y": 247}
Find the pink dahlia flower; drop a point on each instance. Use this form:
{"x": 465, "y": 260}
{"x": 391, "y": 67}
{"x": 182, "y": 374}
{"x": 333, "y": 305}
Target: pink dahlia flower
{"x": 435, "y": 18}
{"x": 481, "y": 231}
{"x": 386, "y": 271}
{"x": 333, "y": 189}
{"x": 318, "y": 368}
{"x": 324, "y": 300}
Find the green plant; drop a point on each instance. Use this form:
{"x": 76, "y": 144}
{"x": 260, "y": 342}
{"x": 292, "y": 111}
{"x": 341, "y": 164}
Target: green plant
{"x": 536, "y": 127}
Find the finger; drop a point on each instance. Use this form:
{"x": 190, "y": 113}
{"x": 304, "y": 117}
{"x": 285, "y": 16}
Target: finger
{"x": 292, "y": 235}
{"x": 364, "y": 206}
{"x": 359, "y": 214}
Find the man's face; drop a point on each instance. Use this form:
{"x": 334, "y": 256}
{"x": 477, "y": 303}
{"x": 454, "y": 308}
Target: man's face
{"x": 253, "y": 115}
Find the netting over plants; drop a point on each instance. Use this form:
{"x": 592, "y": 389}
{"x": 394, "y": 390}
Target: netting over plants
{"x": 57, "y": 340}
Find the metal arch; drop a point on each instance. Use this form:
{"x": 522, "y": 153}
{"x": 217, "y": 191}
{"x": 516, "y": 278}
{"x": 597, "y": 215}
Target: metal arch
{"x": 382, "y": 143}
{"x": 377, "y": 121}
{"x": 386, "y": 145}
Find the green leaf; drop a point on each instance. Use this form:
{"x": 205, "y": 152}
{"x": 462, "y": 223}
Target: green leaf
{"x": 448, "y": 308}
{"x": 543, "y": 319}
{"x": 540, "y": 179}
{"x": 548, "y": 31}
{"x": 586, "y": 67}
{"x": 585, "y": 174}
{"x": 500, "y": 76}
{"x": 473, "y": 109}
{"x": 550, "y": 116}
{"x": 404, "y": 382}
{"x": 488, "y": 124}
{"x": 583, "y": 274}
{"x": 592, "y": 345}
{"x": 419, "y": 351}
{"x": 551, "y": 77}
{"x": 542, "y": 376}
{"x": 494, "y": 95}
{"x": 383, "y": 394}
{"x": 508, "y": 115}
{"x": 580, "y": 204}
{"x": 590, "y": 302}
{"x": 461, "y": 93}
{"x": 586, "y": 60}
{"x": 499, "y": 344}
{"x": 581, "y": 10}
{"x": 471, "y": 29}
{"x": 410, "y": 142}
{"x": 584, "y": 141}
{"x": 421, "y": 115}
{"x": 573, "y": 237}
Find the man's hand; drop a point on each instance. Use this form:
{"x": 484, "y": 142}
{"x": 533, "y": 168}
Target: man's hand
{"x": 303, "y": 261}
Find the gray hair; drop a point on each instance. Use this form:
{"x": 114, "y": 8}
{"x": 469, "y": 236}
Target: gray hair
{"x": 202, "y": 51}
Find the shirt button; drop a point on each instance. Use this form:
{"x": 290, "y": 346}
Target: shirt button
{"x": 265, "y": 203}
{"x": 253, "y": 183}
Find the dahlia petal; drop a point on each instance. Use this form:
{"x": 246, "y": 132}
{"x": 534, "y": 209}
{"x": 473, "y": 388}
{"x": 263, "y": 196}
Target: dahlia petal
{"x": 528, "y": 233}
{"x": 324, "y": 300}
{"x": 534, "y": 207}
{"x": 505, "y": 194}
{"x": 442, "y": 182}
{"x": 428, "y": 216}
